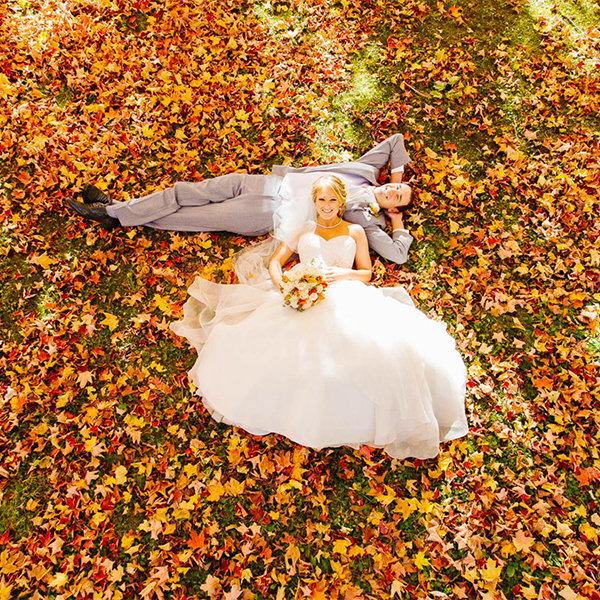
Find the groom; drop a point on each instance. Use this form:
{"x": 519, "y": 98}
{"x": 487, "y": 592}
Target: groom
{"x": 245, "y": 204}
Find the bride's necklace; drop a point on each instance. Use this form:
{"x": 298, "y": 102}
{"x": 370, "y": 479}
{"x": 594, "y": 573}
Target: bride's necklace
{"x": 329, "y": 226}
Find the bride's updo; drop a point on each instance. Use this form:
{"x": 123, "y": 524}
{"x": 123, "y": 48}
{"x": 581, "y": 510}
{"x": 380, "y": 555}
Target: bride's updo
{"x": 336, "y": 185}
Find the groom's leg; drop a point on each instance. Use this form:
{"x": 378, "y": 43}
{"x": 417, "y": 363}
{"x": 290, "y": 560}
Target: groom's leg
{"x": 219, "y": 189}
{"x": 391, "y": 150}
{"x": 149, "y": 209}
{"x": 247, "y": 214}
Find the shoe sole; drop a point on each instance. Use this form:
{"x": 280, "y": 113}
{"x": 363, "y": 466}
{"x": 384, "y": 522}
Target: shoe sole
{"x": 108, "y": 224}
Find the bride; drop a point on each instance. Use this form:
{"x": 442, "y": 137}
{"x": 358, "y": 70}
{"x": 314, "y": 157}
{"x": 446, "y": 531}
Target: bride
{"x": 364, "y": 366}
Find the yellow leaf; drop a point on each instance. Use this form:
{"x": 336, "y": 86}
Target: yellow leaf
{"x": 45, "y": 261}
{"x": 181, "y": 513}
{"x": 162, "y": 303}
{"x": 234, "y": 487}
{"x": 405, "y": 507}
{"x": 247, "y": 575}
{"x": 341, "y": 546}
{"x": 58, "y": 580}
{"x": 388, "y": 497}
{"x": 5, "y": 86}
{"x": 507, "y": 548}
{"x": 110, "y": 321}
{"x": 5, "y": 589}
{"x": 492, "y": 571}
{"x": 215, "y": 491}
{"x": 127, "y": 540}
{"x": 292, "y": 556}
{"x": 340, "y": 570}
{"x": 513, "y": 154}
{"x": 91, "y": 413}
{"x": 529, "y": 592}
{"x": 31, "y": 504}
{"x": 421, "y": 561}
{"x": 40, "y": 429}
{"x": 157, "y": 367}
{"x": 590, "y": 532}
{"x": 190, "y": 470}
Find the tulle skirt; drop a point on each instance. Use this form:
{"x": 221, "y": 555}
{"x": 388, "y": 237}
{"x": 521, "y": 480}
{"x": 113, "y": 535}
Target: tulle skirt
{"x": 362, "y": 367}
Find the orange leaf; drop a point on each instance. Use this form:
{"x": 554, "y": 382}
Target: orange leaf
{"x": 196, "y": 541}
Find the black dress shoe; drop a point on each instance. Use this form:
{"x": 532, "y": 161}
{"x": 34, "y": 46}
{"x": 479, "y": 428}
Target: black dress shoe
{"x": 95, "y": 211}
{"x": 92, "y": 195}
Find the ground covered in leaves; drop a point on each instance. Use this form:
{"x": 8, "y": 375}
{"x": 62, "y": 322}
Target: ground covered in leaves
{"x": 114, "y": 481}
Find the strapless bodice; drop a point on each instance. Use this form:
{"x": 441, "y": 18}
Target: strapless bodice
{"x": 336, "y": 252}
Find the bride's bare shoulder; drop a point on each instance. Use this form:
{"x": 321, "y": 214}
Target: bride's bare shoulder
{"x": 355, "y": 231}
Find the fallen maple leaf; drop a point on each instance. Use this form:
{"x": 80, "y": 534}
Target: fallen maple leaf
{"x": 421, "y": 561}
{"x": 121, "y": 475}
{"x": 233, "y": 594}
{"x": 215, "y": 491}
{"x": 521, "y": 541}
{"x": 491, "y": 572}
{"x": 196, "y": 541}
{"x": 84, "y": 378}
{"x": 568, "y": 594}
{"x": 110, "y": 321}
{"x": 5, "y": 590}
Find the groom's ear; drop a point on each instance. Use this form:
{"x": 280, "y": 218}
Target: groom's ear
{"x": 408, "y": 205}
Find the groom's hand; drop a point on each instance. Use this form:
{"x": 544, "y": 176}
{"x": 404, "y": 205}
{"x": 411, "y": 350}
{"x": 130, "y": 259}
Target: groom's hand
{"x": 396, "y": 217}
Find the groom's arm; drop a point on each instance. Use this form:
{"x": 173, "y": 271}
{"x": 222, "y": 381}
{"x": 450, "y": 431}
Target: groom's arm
{"x": 397, "y": 176}
{"x": 390, "y": 151}
{"x": 394, "y": 248}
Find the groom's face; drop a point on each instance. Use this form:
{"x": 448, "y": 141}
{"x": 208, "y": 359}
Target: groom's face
{"x": 393, "y": 196}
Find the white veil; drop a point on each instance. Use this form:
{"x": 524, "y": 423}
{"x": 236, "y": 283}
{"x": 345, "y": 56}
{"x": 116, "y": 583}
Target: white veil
{"x": 295, "y": 214}
{"x": 296, "y": 211}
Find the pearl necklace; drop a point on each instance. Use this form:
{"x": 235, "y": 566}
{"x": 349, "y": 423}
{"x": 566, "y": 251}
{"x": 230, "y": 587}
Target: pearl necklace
{"x": 329, "y": 226}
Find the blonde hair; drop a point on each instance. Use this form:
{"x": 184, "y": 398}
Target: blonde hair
{"x": 337, "y": 187}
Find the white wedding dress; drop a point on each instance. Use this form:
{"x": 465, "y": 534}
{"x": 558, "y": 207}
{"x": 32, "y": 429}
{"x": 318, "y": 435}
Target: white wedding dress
{"x": 362, "y": 367}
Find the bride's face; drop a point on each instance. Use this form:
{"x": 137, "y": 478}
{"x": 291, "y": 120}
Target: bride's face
{"x": 327, "y": 204}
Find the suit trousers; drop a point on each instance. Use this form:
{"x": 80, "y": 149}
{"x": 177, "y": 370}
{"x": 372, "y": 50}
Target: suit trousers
{"x": 237, "y": 202}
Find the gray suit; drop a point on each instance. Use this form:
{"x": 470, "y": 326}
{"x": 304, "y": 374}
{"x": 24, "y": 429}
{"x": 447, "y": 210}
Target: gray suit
{"x": 244, "y": 204}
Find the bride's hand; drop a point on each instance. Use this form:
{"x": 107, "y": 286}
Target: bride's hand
{"x": 334, "y": 273}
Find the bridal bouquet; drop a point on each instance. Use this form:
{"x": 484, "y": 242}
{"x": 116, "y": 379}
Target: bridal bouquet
{"x": 303, "y": 286}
